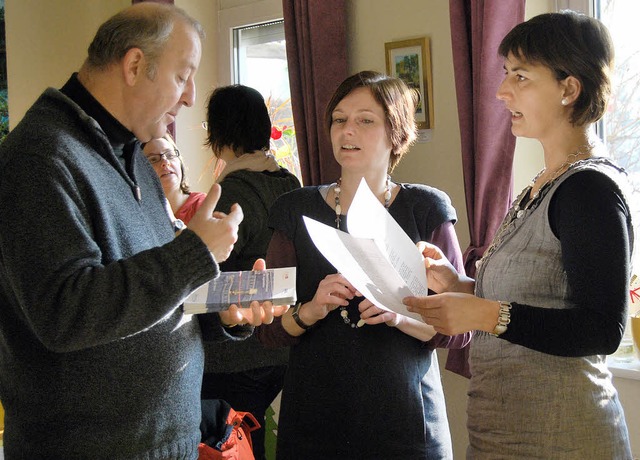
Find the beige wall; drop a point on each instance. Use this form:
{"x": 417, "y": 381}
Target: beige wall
{"x": 44, "y": 46}
{"x": 437, "y": 162}
{"x": 190, "y": 135}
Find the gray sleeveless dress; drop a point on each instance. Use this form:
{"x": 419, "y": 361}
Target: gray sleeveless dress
{"x": 525, "y": 404}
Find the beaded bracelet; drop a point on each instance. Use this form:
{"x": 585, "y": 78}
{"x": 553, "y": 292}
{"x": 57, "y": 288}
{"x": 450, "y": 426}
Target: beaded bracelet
{"x": 504, "y": 318}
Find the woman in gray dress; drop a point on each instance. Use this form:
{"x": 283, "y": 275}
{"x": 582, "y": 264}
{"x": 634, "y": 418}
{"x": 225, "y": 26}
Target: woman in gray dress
{"x": 551, "y": 294}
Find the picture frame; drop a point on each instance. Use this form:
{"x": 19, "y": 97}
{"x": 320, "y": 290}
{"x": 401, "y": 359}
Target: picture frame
{"x": 410, "y": 60}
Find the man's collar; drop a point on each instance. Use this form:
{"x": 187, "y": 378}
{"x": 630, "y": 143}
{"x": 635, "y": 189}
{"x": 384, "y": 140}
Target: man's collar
{"x": 118, "y": 135}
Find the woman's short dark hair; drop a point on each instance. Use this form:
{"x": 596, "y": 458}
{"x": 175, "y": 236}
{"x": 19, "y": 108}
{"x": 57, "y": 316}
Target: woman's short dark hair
{"x": 398, "y": 101}
{"x": 570, "y": 44}
{"x": 237, "y": 117}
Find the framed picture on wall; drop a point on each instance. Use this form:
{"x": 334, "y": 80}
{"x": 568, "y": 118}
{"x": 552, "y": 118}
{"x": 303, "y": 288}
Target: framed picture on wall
{"x": 410, "y": 60}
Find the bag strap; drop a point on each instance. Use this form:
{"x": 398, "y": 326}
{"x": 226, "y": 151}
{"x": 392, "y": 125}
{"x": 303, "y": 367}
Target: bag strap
{"x": 244, "y": 419}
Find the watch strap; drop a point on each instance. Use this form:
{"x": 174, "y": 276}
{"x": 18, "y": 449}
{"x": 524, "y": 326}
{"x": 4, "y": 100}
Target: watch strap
{"x": 296, "y": 317}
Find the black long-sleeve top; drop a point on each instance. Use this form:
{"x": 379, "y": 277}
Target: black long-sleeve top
{"x": 592, "y": 222}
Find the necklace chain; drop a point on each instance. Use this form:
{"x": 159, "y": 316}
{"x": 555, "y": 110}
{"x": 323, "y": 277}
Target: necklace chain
{"x": 582, "y": 150}
{"x": 344, "y": 313}
{"x": 337, "y": 190}
{"x": 517, "y": 211}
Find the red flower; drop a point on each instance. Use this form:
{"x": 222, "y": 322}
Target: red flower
{"x": 275, "y": 133}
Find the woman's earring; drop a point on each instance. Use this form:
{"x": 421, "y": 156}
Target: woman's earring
{"x": 564, "y": 101}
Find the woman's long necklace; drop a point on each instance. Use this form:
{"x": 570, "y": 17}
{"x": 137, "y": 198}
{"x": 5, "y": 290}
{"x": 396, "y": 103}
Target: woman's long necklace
{"x": 387, "y": 201}
{"x": 337, "y": 190}
{"x": 518, "y": 210}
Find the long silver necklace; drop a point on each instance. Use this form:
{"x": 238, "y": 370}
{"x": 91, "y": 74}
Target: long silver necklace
{"x": 336, "y": 194}
{"x": 518, "y": 210}
{"x": 344, "y": 313}
{"x": 558, "y": 172}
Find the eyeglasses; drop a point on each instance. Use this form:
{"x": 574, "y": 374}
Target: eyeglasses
{"x": 167, "y": 155}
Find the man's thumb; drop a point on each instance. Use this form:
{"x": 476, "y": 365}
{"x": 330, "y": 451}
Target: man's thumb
{"x": 211, "y": 200}
{"x": 259, "y": 264}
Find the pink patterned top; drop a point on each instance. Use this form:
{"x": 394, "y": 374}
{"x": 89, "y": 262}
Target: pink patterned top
{"x": 189, "y": 208}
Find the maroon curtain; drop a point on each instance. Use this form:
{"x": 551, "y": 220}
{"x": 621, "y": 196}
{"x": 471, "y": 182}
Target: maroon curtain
{"x": 477, "y": 28}
{"x": 316, "y": 36}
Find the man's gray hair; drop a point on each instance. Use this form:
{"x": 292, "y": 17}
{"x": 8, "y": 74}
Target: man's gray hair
{"x": 146, "y": 26}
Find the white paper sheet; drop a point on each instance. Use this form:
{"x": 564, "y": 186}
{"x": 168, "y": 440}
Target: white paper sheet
{"x": 376, "y": 256}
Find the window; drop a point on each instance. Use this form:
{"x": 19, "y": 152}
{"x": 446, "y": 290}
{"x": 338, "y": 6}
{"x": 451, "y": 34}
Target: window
{"x": 260, "y": 61}
{"x": 620, "y": 127}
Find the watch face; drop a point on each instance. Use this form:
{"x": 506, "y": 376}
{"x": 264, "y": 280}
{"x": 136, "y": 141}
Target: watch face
{"x": 179, "y": 225}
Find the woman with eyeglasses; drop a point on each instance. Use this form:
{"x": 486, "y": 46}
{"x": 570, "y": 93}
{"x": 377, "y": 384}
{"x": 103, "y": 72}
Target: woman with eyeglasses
{"x": 165, "y": 158}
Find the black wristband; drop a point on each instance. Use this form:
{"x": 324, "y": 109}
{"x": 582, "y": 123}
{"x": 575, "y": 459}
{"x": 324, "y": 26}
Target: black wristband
{"x": 297, "y": 319}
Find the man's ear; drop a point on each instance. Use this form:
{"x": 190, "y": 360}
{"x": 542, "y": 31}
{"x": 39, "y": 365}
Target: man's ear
{"x": 134, "y": 66}
{"x": 572, "y": 89}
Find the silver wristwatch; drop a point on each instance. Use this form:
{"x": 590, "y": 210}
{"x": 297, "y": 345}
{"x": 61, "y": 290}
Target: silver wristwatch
{"x": 178, "y": 225}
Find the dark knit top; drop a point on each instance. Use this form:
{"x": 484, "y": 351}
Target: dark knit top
{"x": 597, "y": 265}
{"x": 255, "y": 191}
{"x": 371, "y": 392}
{"x": 96, "y": 358}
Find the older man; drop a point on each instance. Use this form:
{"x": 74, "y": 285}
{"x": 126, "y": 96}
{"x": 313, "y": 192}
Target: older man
{"x": 96, "y": 358}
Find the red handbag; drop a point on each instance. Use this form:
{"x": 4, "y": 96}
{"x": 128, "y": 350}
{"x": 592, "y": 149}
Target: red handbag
{"x": 235, "y": 442}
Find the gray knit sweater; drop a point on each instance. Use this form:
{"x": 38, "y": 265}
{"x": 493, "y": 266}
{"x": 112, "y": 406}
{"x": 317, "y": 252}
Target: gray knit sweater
{"x": 96, "y": 358}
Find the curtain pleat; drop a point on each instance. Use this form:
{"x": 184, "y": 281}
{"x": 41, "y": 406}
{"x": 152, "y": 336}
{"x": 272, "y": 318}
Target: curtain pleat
{"x": 477, "y": 28}
{"x": 315, "y": 32}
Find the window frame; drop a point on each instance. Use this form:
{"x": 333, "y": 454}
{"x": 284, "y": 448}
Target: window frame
{"x": 629, "y": 370}
{"x": 240, "y": 16}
